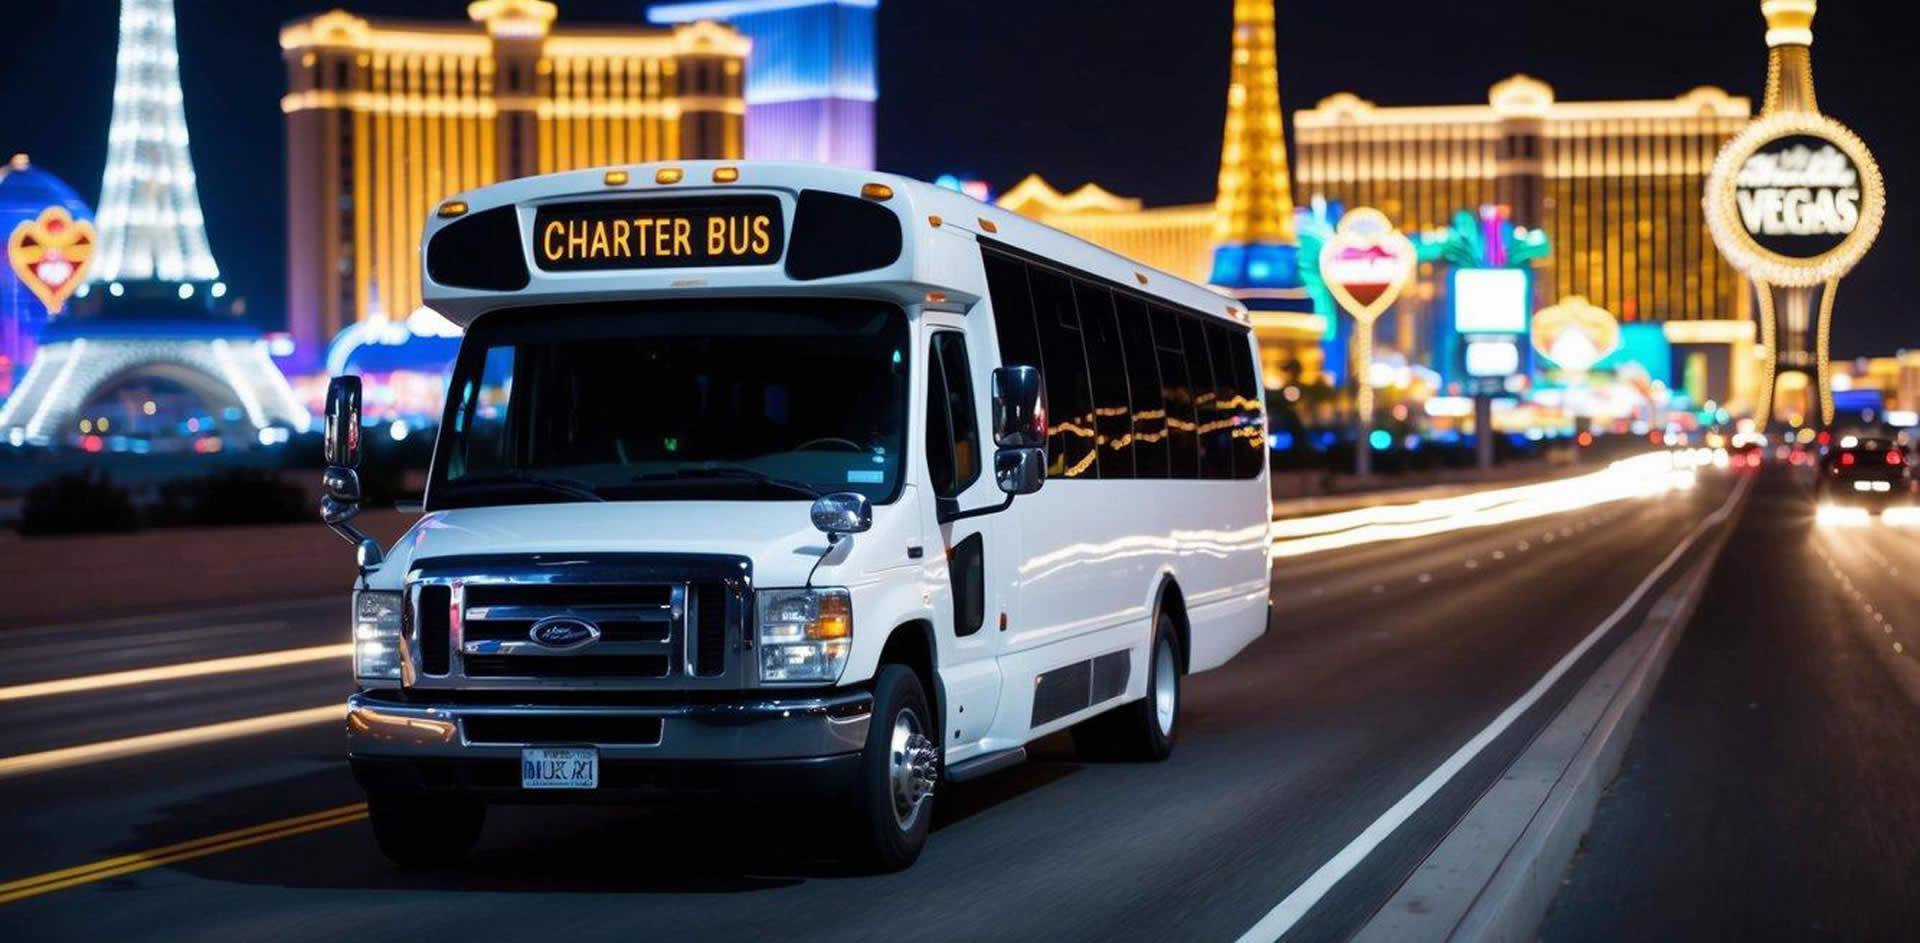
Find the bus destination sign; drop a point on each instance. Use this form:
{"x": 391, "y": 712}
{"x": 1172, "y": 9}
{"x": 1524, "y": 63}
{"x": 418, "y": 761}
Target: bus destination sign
{"x": 649, "y": 234}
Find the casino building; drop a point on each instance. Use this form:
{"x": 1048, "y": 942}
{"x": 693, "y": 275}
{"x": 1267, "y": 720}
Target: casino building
{"x": 386, "y": 117}
{"x": 1616, "y": 185}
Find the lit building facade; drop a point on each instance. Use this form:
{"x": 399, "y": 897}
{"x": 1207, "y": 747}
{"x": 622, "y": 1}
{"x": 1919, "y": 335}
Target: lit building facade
{"x": 811, "y": 80}
{"x": 1243, "y": 243}
{"x": 384, "y": 118}
{"x": 1615, "y": 185}
{"x": 1174, "y": 239}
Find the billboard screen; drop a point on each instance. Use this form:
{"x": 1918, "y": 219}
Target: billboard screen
{"x": 1491, "y": 300}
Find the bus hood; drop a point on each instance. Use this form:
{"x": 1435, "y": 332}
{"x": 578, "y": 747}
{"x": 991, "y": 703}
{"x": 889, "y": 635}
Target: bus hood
{"x": 778, "y": 536}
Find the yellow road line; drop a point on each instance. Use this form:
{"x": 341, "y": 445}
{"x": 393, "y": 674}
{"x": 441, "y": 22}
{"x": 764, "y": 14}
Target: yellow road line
{"x": 290, "y": 656}
{"x": 182, "y": 851}
{"x": 109, "y": 749}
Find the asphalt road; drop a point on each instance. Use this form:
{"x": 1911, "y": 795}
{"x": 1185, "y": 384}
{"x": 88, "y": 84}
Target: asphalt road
{"x": 1772, "y": 789}
{"x": 1382, "y": 661}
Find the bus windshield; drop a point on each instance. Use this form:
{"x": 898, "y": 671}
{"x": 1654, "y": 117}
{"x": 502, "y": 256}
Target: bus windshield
{"x": 766, "y": 400}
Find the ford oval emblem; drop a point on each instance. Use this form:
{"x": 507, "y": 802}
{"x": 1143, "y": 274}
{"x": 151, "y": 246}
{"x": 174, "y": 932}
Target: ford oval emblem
{"x": 563, "y": 632}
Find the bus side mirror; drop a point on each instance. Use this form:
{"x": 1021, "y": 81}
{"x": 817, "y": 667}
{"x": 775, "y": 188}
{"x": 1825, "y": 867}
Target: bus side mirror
{"x": 343, "y": 423}
{"x": 340, "y": 486}
{"x": 1019, "y": 471}
{"x": 842, "y": 513}
{"x": 1019, "y": 409}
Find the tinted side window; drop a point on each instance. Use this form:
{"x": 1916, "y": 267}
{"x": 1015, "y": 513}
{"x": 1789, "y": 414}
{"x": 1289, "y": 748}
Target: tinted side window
{"x": 1216, "y": 458}
{"x": 1143, "y": 386}
{"x": 941, "y": 467}
{"x": 1222, "y": 349}
{"x": 1070, "y": 422}
{"x": 950, "y": 350}
{"x": 1183, "y": 441}
{"x": 1012, "y": 310}
{"x": 1253, "y": 430}
{"x": 1107, "y": 364}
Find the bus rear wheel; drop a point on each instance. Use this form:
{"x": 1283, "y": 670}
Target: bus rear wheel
{"x": 1144, "y": 730}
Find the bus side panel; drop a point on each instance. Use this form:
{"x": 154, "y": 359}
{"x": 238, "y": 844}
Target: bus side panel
{"x": 1223, "y": 570}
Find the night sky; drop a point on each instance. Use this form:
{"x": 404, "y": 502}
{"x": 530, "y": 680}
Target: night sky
{"x": 1123, "y": 92}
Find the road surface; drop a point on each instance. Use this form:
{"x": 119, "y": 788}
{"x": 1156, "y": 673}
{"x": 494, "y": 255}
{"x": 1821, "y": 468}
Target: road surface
{"x": 1382, "y": 661}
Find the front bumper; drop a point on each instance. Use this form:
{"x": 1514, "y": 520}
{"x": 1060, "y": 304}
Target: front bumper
{"x": 752, "y": 745}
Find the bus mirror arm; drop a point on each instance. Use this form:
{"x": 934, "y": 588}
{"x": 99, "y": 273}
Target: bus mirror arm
{"x": 1017, "y": 471}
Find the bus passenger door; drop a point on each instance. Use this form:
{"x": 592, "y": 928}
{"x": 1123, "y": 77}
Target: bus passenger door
{"x": 977, "y": 550}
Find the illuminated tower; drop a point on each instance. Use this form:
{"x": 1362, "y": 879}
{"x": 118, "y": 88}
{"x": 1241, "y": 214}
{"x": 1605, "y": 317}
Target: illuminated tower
{"x": 160, "y": 280}
{"x": 811, "y": 82}
{"x": 1795, "y": 201}
{"x": 151, "y": 229}
{"x": 1254, "y": 247}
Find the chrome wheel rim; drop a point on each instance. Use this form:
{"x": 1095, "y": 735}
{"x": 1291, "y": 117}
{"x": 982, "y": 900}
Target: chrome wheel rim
{"x": 911, "y": 768}
{"x": 1166, "y": 687}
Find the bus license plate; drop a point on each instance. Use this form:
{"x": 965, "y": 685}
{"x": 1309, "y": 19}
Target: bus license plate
{"x": 571, "y": 768}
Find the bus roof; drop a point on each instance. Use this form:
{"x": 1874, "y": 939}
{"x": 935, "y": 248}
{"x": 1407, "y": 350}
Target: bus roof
{"x": 481, "y": 251}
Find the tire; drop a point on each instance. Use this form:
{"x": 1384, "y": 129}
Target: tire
{"x": 425, "y": 831}
{"x": 893, "y": 798}
{"x": 1143, "y": 731}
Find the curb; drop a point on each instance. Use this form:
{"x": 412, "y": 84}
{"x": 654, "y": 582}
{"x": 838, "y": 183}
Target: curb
{"x": 1496, "y": 872}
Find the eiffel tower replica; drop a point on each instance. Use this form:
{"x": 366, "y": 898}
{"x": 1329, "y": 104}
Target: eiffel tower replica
{"x": 153, "y": 277}
{"x": 1256, "y": 254}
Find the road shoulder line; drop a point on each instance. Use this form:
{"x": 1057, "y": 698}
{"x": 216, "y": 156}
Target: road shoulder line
{"x": 1498, "y": 869}
{"x": 1295, "y": 906}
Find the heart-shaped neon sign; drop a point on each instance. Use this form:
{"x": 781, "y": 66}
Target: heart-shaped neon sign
{"x": 1576, "y": 333}
{"x": 1367, "y": 263}
{"x": 50, "y": 255}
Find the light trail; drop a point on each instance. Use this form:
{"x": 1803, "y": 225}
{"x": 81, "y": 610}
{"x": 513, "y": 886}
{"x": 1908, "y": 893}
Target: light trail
{"x": 27, "y": 763}
{"x": 1302, "y": 899}
{"x": 1641, "y": 476}
{"x": 114, "y": 679}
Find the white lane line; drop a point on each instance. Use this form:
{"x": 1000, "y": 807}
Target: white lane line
{"x": 1295, "y": 905}
{"x": 114, "y": 679}
{"x": 27, "y": 763}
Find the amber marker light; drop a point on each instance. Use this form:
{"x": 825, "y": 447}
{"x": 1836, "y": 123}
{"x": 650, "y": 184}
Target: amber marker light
{"x": 453, "y": 208}
{"x": 936, "y": 297}
{"x": 726, "y": 174}
{"x": 668, "y": 175}
{"x": 876, "y": 191}
{"x": 934, "y": 221}
{"x": 988, "y": 225}
{"x": 834, "y": 621}
{"x": 1142, "y": 276}
{"x": 617, "y": 178}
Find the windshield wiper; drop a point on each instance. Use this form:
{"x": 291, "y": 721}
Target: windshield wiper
{"x": 730, "y": 473}
{"x": 562, "y": 486}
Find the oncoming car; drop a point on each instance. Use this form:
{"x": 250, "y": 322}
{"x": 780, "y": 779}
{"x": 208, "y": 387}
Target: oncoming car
{"x": 786, "y": 482}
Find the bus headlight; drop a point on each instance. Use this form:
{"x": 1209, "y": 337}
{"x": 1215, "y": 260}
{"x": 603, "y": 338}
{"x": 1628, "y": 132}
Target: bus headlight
{"x": 376, "y": 636}
{"x": 805, "y": 634}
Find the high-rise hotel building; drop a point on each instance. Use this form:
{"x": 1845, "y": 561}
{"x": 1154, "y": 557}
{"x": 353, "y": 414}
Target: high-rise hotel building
{"x": 1616, "y": 185}
{"x": 387, "y": 117}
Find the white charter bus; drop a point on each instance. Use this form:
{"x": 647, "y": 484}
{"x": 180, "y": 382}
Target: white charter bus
{"x": 794, "y": 482}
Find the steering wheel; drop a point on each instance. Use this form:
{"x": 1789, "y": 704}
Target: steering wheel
{"x": 847, "y": 444}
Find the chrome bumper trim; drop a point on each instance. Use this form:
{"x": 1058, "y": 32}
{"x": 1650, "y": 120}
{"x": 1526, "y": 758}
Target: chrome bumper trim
{"x": 756, "y": 729}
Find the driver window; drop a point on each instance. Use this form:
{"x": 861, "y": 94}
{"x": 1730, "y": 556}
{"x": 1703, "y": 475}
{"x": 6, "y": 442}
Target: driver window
{"x": 953, "y": 430}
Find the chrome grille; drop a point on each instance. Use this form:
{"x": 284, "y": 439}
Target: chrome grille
{"x": 661, "y": 622}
